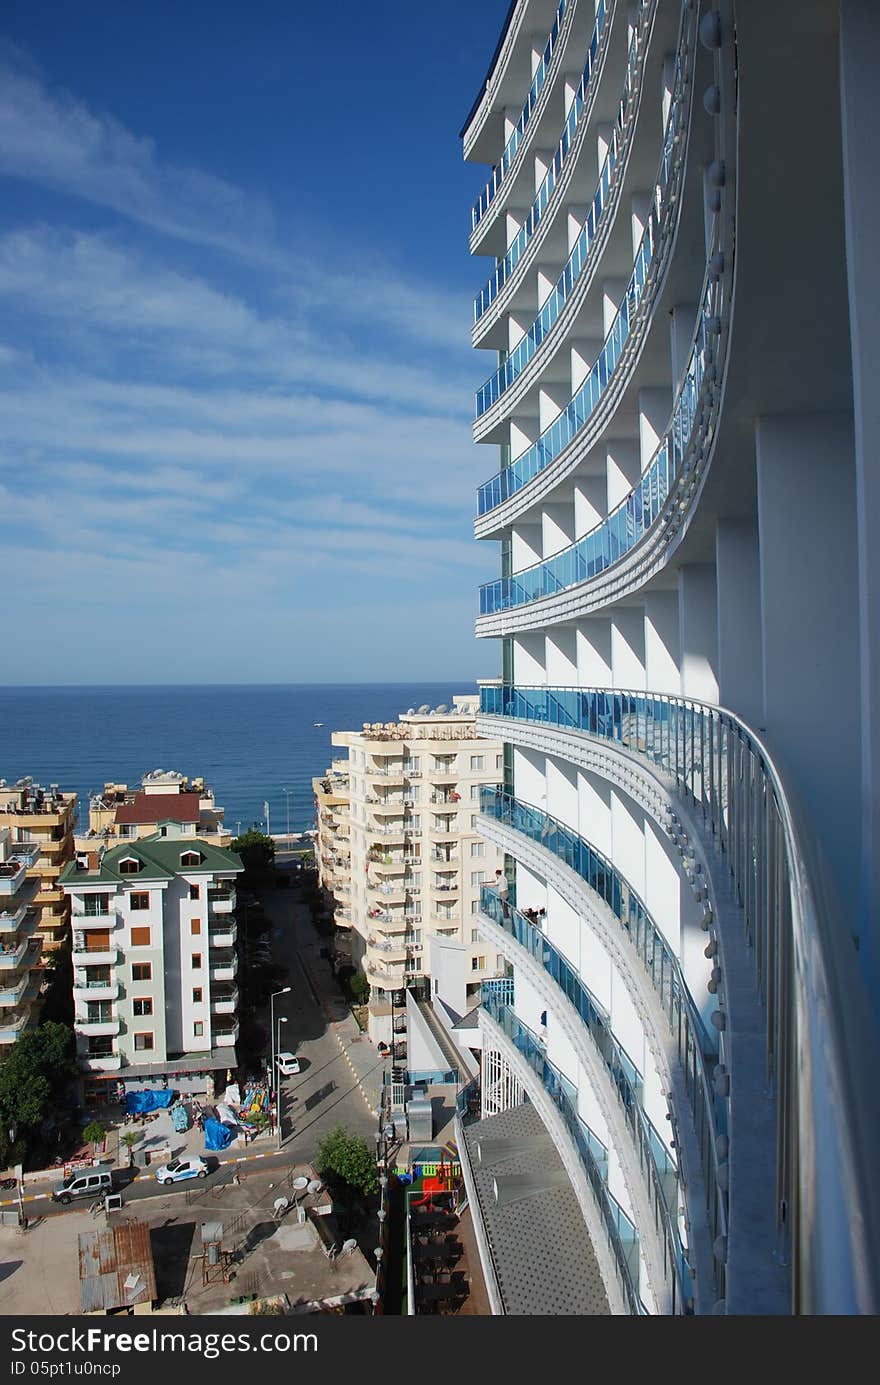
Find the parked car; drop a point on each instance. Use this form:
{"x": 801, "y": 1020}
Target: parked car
{"x": 89, "y": 1183}
{"x": 287, "y": 1064}
{"x": 178, "y": 1169}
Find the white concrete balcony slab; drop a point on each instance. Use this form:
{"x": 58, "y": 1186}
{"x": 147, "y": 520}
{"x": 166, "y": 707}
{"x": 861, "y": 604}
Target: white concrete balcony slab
{"x": 92, "y": 956}
{"x": 12, "y": 876}
{"x": 84, "y": 990}
{"x": 107, "y": 920}
{"x": 222, "y": 934}
{"x": 224, "y": 1002}
{"x": 96, "y": 1028}
{"x": 110, "y": 1062}
{"x": 221, "y": 903}
{"x": 226, "y": 1036}
{"x": 224, "y": 968}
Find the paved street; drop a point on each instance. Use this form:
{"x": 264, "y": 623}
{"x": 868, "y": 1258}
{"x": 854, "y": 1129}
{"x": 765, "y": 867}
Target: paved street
{"x": 340, "y": 1079}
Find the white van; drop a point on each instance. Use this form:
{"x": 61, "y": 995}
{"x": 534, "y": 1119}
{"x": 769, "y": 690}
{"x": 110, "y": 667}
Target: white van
{"x": 87, "y": 1183}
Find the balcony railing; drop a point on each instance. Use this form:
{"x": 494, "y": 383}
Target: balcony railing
{"x": 622, "y": 1235}
{"x": 565, "y": 427}
{"x": 499, "y": 172}
{"x": 619, "y": 532}
{"x": 517, "y": 360}
{"x": 660, "y": 1170}
{"x": 809, "y": 983}
{"x": 506, "y": 266}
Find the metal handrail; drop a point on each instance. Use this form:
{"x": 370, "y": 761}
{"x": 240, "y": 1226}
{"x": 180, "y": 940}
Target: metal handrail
{"x": 821, "y": 1040}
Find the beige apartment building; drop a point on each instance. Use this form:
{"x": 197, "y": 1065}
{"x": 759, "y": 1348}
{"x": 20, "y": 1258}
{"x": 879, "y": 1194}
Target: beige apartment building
{"x": 399, "y": 850}
{"x": 167, "y": 803}
{"x": 44, "y": 817}
{"x": 20, "y": 945}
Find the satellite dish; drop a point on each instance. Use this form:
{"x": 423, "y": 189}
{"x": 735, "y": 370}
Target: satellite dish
{"x": 442, "y": 707}
{"x": 410, "y": 711}
{"x": 423, "y": 709}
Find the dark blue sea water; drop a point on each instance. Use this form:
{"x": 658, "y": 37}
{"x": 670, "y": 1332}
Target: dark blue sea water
{"x": 250, "y": 743}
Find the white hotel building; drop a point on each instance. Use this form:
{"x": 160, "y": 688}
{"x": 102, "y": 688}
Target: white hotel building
{"x": 679, "y": 1104}
{"x": 154, "y": 963}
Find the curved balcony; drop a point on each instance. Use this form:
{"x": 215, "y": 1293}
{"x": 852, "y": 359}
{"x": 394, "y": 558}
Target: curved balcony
{"x": 628, "y": 524}
{"x": 580, "y": 102}
{"x": 720, "y": 765}
{"x": 620, "y": 1233}
{"x": 581, "y": 257}
{"x": 658, "y": 1167}
{"x": 511, "y": 148}
{"x": 621, "y": 341}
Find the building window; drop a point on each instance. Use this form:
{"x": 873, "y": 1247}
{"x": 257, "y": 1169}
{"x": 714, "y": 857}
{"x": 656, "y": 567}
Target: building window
{"x": 476, "y": 762}
{"x": 478, "y": 848}
{"x": 194, "y": 891}
{"x": 478, "y": 964}
{"x": 140, "y": 937}
{"x": 475, "y": 793}
{"x": 142, "y": 971}
{"x": 143, "y": 1042}
{"x": 129, "y": 866}
{"x": 497, "y": 761}
{"x": 190, "y": 858}
{"x": 197, "y": 995}
{"x": 139, "y": 901}
{"x": 195, "y": 927}
{"x": 477, "y": 877}
{"x": 499, "y": 962}
{"x": 143, "y": 1006}
{"x": 197, "y": 961}
{"x": 475, "y": 935}
{"x": 95, "y": 906}
{"x": 475, "y": 906}
{"x": 199, "y": 1028}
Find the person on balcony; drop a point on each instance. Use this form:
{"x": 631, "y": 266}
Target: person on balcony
{"x": 503, "y": 889}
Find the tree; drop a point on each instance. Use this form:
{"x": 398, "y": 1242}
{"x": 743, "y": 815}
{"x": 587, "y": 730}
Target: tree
{"x": 130, "y": 1139}
{"x": 346, "y": 1159}
{"x": 94, "y": 1134}
{"x": 37, "y": 1067}
{"x": 257, "y": 852}
{"x": 359, "y": 987}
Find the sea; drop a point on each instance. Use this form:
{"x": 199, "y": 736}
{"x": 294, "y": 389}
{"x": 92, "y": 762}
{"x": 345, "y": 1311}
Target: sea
{"x": 255, "y": 744}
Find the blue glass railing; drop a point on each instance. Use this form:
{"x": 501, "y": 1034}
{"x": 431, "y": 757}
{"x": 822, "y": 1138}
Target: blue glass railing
{"x": 567, "y": 424}
{"x": 499, "y": 172}
{"x": 694, "y": 1045}
{"x": 622, "y": 1235}
{"x": 506, "y": 266}
{"x": 517, "y": 360}
{"x": 657, "y": 1165}
{"x": 627, "y": 525}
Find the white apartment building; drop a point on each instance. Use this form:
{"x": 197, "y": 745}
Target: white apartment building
{"x": 682, "y": 424}
{"x": 398, "y": 847}
{"x": 20, "y": 943}
{"x": 154, "y": 963}
{"x": 34, "y": 814}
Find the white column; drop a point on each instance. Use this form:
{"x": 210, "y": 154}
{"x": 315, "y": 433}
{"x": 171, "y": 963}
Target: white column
{"x": 518, "y": 323}
{"x": 590, "y": 502}
{"x": 655, "y": 407}
{"x": 662, "y": 641}
{"x": 808, "y": 530}
{"x": 525, "y": 546}
{"x": 698, "y": 626}
{"x": 552, "y": 399}
{"x": 543, "y": 160}
{"x": 561, "y": 656}
{"x": 584, "y": 352}
{"x": 548, "y": 277}
{"x": 681, "y": 339}
{"x": 604, "y": 135}
{"x": 740, "y": 675}
{"x": 528, "y": 661}
{"x": 523, "y": 431}
{"x": 859, "y": 56}
{"x": 556, "y": 527}
{"x": 628, "y": 647}
{"x": 640, "y": 207}
{"x": 594, "y": 652}
{"x": 513, "y": 220}
{"x": 612, "y": 293}
{"x": 667, "y": 86}
{"x": 576, "y": 215}
{"x": 623, "y": 469}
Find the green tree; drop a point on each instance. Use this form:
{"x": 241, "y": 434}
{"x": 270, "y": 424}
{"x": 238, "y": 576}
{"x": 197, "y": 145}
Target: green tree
{"x": 346, "y": 1160}
{"x": 257, "y": 852}
{"x": 39, "y": 1064}
{"x": 359, "y": 987}
{"x": 94, "y": 1134}
{"x": 130, "y": 1139}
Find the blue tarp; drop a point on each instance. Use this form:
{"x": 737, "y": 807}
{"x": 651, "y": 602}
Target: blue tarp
{"x": 217, "y": 1135}
{"x": 153, "y": 1099}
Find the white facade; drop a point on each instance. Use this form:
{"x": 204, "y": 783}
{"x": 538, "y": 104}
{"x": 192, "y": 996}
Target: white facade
{"x": 154, "y": 957}
{"x": 685, "y": 575}
{"x": 399, "y": 847}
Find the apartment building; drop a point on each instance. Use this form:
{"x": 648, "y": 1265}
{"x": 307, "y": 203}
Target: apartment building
{"x": 333, "y": 853}
{"x": 155, "y": 964}
{"x": 46, "y": 817}
{"x": 20, "y": 944}
{"x": 167, "y": 803}
{"x": 681, "y": 420}
{"x": 398, "y": 848}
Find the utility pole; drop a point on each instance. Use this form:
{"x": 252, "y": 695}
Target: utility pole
{"x": 266, "y": 815}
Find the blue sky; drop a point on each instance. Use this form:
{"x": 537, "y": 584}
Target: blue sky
{"x": 235, "y": 372}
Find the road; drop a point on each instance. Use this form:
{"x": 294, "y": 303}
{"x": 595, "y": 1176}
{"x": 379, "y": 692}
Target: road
{"x": 340, "y": 1077}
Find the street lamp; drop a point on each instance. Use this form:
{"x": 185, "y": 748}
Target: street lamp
{"x": 287, "y": 801}
{"x": 282, "y": 1019}
{"x": 272, "y": 1077}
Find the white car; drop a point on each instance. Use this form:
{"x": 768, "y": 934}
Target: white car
{"x": 179, "y": 1169}
{"x": 287, "y": 1064}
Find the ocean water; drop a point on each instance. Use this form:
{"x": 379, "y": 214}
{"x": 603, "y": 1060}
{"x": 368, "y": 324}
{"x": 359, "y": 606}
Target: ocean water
{"x": 250, "y": 742}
